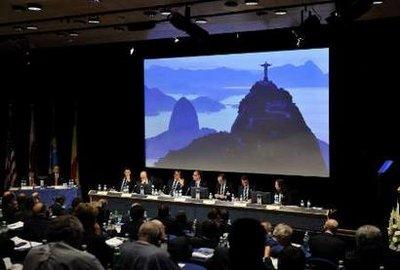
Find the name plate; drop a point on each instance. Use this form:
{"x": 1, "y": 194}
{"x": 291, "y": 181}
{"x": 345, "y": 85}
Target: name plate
{"x": 27, "y": 188}
{"x": 272, "y": 207}
{"x": 240, "y": 204}
{"x": 60, "y": 187}
{"x": 102, "y": 193}
{"x": 179, "y": 199}
{"x": 152, "y": 197}
{"x": 209, "y": 202}
{"x": 126, "y": 195}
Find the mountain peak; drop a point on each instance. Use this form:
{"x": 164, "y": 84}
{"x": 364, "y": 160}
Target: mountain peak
{"x": 184, "y": 117}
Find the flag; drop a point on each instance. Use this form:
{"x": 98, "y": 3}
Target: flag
{"x": 53, "y": 157}
{"x": 10, "y": 164}
{"x": 74, "y": 151}
{"x": 32, "y": 145}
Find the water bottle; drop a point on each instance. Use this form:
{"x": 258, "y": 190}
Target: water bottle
{"x": 194, "y": 226}
{"x": 306, "y": 241}
{"x": 233, "y": 197}
{"x": 259, "y": 199}
{"x": 341, "y": 265}
{"x": 41, "y": 183}
{"x": 210, "y": 196}
{"x": 280, "y": 198}
{"x": 308, "y": 203}
{"x": 84, "y": 248}
{"x": 197, "y": 194}
{"x": 276, "y": 199}
{"x": 152, "y": 190}
{"x": 105, "y": 188}
{"x": 141, "y": 190}
{"x": 117, "y": 263}
{"x": 241, "y": 198}
{"x": 381, "y": 267}
{"x": 302, "y": 203}
{"x": 44, "y": 241}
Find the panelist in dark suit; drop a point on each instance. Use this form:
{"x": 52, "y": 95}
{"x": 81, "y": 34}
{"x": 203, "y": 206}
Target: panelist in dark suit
{"x": 176, "y": 184}
{"x": 223, "y": 190}
{"x": 55, "y": 178}
{"x": 144, "y": 182}
{"x": 197, "y": 182}
{"x": 126, "y": 183}
{"x": 244, "y": 190}
{"x": 282, "y": 190}
{"x": 327, "y": 245}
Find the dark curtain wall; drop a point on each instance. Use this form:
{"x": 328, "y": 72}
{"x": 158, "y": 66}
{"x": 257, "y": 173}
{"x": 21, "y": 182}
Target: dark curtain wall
{"x": 107, "y": 85}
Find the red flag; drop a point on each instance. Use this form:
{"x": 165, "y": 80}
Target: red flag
{"x": 11, "y": 164}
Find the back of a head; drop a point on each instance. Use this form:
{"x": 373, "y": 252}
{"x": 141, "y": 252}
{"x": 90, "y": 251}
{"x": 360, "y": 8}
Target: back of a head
{"x": 75, "y": 202}
{"x": 60, "y": 200}
{"x": 246, "y": 241}
{"x": 213, "y": 214}
{"x": 38, "y": 209}
{"x": 267, "y": 226}
{"x": 87, "y": 213}
{"x": 21, "y": 200}
{"x": 369, "y": 247}
{"x": 136, "y": 212}
{"x": 283, "y": 233}
{"x": 180, "y": 249}
{"x": 331, "y": 225}
{"x": 209, "y": 230}
{"x": 163, "y": 211}
{"x": 181, "y": 217}
{"x": 66, "y": 228}
{"x": 224, "y": 214}
{"x": 150, "y": 232}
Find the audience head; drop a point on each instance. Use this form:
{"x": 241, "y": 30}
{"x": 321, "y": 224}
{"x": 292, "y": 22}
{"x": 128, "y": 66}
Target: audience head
{"x": 368, "y": 235}
{"x": 75, "y": 202}
{"x": 162, "y": 230}
{"x": 209, "y": 230}
{"x": 180, "y": 249}
{"x": 136, "y": 212}
{"x": 163, "y": 211}
{"x": 267, "y": 226}
{"x": 213, "y": 215}
{"x": 283, "y": 234}
{"x": 221, "y": 179}
{"x": 247, "y": 242}
{"x": 150, "y": 232}
{"x": 127, "y": 174}
{"x": 36, "y": 197}
{"x": 279, "y": 185}
{"x": 66, "y": 228}
{"x": 196, "y": 175}
{"x": 8, "y": 198}
{"x": 60, "y": 200}
{"x": 87, "y": 213}
{"x": 244, "y": 180}
{"x": 177, "y": 174}
{"x": 39, "y": 209}
{"x": 22, "y": 201}
{"x": 331, "y": 226}
{"x": 224, "y": 214}
{"x": 181, "y": 217}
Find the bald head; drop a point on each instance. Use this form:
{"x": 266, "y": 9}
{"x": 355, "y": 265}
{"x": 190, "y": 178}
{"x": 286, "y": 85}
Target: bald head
{"x": 331, "y": 225}
{"x": 150, "y": 232}
{"x": 38, "y": 208}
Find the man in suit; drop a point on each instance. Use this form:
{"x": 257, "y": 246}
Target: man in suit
{"x": 223, "y": 190}
{"x": 176, "y": 184}
{"x": 244, "y": 190}
{"x": 196, "y": 183}
{"x": 126, "y": 183}
{"x": 144, "y": 182}
{"x": 37, "y": 225}
{"x": 55, "y": 178}
{"x": 327, "y": 245}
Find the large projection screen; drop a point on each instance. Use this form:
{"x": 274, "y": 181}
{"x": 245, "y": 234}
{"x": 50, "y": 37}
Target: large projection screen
{"x": 264, "y": 112}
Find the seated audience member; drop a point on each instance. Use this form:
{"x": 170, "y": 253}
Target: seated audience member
{"x": 224, "y": 221}
{"x": 92, "y": 238}
{"x": 371, "y": 252}
{"x": 136, "y": 220}
{"x": 62, "y": 251}
{"x": 144, "y": 254}
{"x": 74, "y": 204}
{"x": 246, "y": 248}
{"x": 165, "y": 217}
{"x": 223, "y": 190}
{"x": 196, "y": 183}
{"x": 244, "y": 190}
{"x": 36, "y": 226}
{"x": 207, "y": 235}
{"x": 103, "y": 211}
{"x": 283, "y": 191}
{"x": 327, "y": 245}
{"x": 10, "y": 207}
{"x": 180, "y": 249}
{"x": 176, "y": 184}
{"x": 290, "y": 258}
{"x": 36, "y": 197}
{"x": 24, "y": 207}
{"x": 272, "y": 247}
{"x": 58, "y": 209}
{"x": 180, "y": 225}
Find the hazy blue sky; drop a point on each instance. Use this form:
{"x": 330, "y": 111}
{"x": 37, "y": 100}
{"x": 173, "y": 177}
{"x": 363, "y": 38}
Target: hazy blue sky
{"x": 246, "y": 61}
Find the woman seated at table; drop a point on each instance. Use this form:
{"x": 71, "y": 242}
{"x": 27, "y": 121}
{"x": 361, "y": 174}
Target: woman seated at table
{"x": 55, "y": 177}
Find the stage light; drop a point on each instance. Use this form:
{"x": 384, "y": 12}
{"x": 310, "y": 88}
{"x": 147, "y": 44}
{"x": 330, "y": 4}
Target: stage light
{"x": 94, "y": 20}
{"x": 32, "y": 27}
{"x": 201, "y": 21}
{"x": 251, "y": 2}
{"x": 165, "y": 12}
{"x": 176, "y": 40}
{"x": 184, "y": 23}
{"x": 34, "y": 7}
{"x": 73, "y": 34}
{"x": 377, "y": 2}
{"x": 132, "y": 50}
{"x": 280, "y": 12}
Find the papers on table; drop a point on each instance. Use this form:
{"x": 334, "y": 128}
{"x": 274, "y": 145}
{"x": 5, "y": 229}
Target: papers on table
{"x": 179, "y": 199}
{"x": 209, "y": 201}
{"x": 181, "y": 265}
{"x": 203, "y": 253}
{"x": 27, "y": 188}
{"x": 16, "y": 225}
{"x": 115, "y": 241}
{"x": 124, "y": 195}
{"x": 240, "y": 204}
{"x": 272, "y": 207}
{"x": 152, "y": 197}
{"x": 102, "y": 193}
{"x": 21, "y": 244}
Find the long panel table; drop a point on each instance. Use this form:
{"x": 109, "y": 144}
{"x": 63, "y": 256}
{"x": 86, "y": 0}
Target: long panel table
{"x": 300, "y": 218}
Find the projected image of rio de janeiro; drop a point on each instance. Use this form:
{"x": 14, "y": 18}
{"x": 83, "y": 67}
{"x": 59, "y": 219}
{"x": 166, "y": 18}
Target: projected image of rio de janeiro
{"x": 253, "y": 112}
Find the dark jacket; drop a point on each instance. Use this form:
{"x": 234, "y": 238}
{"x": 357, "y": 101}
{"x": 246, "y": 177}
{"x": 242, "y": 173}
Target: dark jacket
{"x": 36, "y": 228}
{"x": 327, "y": 246}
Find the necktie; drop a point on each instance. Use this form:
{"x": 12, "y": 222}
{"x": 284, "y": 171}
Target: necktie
{"x": 246, "y": 192}
{"x": 174, "y": 185}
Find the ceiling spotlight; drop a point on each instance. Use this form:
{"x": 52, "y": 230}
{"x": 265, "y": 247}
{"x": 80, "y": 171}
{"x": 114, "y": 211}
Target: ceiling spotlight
{"x": 377, "y": 2}
{"x": 176, "y": 40}
{"x": 184, "y": 23}
{"x": 165, "y": 12}
{"x": 94, "y": 20}
{"x": 32, "y": 27}
{"x": 34, "y": 7}
{"x": 251, "y": 2}
{"x": 280, "y": 12}
{"x": 150, "y": 13}
{"x": 132, "y": 51}
{"x": 73, "y": 34}
{"x": 201, "y": 21}
{"x": 231, "y": 3}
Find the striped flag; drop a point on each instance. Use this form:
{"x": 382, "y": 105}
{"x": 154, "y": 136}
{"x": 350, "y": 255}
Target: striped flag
{"x": 11, "y": 164}
{"x": 53, "y": 157}
{"x": 74, "y": 151}
{"x": 32, "y": 145}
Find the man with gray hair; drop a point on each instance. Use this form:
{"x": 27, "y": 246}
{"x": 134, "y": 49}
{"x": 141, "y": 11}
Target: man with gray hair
{"x": 145, "y": 254}
{"x": 62, "y": 251}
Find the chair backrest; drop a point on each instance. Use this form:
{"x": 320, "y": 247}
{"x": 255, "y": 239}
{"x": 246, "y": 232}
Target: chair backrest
{"x": 315, "y": 263}
{"x": 193, "y": 266}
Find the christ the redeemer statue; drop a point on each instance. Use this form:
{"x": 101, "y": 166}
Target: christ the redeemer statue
{"x": 266, "y": 65}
